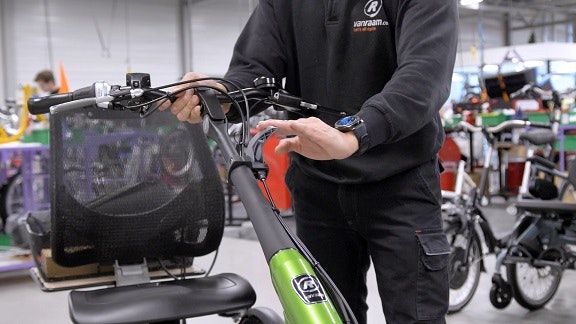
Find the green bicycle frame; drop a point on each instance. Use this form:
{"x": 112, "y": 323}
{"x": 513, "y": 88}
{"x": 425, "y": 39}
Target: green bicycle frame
{"x": 301, "y": 294}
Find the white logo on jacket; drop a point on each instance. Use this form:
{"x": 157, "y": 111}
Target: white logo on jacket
{"x": 372, "y": 8}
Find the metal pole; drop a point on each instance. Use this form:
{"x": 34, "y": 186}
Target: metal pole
{"x": 7, "y": 60}
{"x": 569, "y": 32}
{"x": 507, "y": 30}
{"x": 3, "y": 79}
{"x": 49, "y": 36}
{"x": 184, "y": 35}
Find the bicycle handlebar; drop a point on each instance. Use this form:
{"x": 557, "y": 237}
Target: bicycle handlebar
{"x": 529, "y": 87}
{"x": 506, "y": 125}
{"x": 273, "y": 234}
{"x": 133, "y": 98}
{"x": 466, "y": 126}
{"x": 42, "y": 105}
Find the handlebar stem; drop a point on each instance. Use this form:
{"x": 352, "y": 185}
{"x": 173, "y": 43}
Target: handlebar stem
{"x": 241, "y": 171}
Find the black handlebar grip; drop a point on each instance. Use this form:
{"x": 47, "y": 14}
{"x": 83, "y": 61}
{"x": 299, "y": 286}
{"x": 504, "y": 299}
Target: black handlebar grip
{"x": 38, "y": 106}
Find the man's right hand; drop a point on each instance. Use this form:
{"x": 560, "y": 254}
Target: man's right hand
{"x": 186, "y": 107}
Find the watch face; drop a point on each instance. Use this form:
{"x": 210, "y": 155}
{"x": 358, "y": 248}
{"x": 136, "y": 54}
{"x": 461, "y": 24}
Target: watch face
{"x": 348, "y": 121}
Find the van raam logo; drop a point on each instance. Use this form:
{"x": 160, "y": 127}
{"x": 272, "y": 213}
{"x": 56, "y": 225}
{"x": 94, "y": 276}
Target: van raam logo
{"x": 309, "y": 289}
{"x": 371, "y": 9}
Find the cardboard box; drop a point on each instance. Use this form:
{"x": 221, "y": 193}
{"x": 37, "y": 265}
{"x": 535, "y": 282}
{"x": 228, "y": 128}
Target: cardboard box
{"x": 52, "y": 270}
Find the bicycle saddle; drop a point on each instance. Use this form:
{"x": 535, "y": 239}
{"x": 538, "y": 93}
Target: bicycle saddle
{"x": 539, "y": 136}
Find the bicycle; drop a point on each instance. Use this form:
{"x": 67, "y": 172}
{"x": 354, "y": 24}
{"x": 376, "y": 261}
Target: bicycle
{"x": 464, "y": 219}
{"x": 306, "y": 292}
{"x": 14, "y": 122}
{"x": 536, "y": 256}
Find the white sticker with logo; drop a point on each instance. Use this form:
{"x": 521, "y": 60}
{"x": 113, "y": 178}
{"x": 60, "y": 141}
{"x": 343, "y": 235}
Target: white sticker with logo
{"x": 371, "y": 10}
{"x": 309, "y": 289}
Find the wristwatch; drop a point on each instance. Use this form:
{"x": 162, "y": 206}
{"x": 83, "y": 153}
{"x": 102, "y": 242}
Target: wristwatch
{"x": 355, "y": 124}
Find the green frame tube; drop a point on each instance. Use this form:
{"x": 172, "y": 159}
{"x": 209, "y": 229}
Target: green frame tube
{"x": 302, "y": 296}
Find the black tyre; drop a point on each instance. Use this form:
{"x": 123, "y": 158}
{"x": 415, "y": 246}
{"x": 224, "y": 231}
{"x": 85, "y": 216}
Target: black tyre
{"x": 261, "y": 315}
{"x": 11, "y": 197}
{"x": 500, "y": 295}
{"x": 533, "y": 286}
{"x": 464, "y": 276}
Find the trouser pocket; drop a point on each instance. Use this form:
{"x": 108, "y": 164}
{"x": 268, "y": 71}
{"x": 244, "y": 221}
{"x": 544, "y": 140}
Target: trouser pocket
{"x": 433, "y": 282}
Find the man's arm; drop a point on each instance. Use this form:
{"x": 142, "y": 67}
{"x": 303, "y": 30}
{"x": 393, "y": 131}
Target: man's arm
{"x": 426, "y": 43}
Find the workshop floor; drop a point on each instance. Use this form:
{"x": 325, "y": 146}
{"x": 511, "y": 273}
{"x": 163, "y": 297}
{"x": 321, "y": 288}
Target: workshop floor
{"x": 22, "y": 302}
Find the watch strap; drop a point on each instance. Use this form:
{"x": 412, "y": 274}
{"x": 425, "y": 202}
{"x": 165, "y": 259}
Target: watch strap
{"x": 363, "y": 138}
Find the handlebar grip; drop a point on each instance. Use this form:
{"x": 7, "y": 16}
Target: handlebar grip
{"x": 38, "y": 106}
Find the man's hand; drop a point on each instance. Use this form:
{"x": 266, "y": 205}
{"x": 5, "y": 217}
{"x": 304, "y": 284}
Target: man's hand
{"x": 187, "y": 105}
{"x": 313, "y": 139}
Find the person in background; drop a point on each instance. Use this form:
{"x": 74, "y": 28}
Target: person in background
{"x": 46, "y": 82}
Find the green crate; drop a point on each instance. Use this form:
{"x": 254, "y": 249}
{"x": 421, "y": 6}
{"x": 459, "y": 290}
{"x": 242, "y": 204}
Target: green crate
{"x": 41, "y": 136}
{"x": 5, "y": 240}
{"x": 569, "y": 143}
{"x": 455, "y": 120}
{"x": 490, "y": 119}
{"x": 538, "y": 117}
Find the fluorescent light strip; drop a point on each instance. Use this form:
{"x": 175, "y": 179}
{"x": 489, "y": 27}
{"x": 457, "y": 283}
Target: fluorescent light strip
{"x": 470, "y": 2}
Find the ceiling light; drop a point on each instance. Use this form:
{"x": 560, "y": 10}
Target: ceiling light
{"x": 470, "y": 2}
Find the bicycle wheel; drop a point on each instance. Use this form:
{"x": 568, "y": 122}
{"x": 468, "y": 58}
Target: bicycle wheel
{"x": 11, "y": 197}
{"x": 533, "y": 286}
{"x": 464, "y": 276}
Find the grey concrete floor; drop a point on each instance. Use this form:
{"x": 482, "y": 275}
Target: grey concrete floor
{"x": 22, "y": 302}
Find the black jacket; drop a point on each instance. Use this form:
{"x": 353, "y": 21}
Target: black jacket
{"x": 389, "y": 61}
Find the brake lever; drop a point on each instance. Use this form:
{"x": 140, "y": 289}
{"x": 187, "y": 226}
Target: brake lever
{"x": 255, "y": 148}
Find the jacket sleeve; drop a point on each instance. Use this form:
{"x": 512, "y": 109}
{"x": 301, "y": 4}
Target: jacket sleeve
{"x": 426, "y": 35}
{"x": 259, "y": 51}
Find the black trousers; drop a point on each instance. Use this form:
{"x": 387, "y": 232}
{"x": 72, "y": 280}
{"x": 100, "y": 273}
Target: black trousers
{"x": 396, "y": 223}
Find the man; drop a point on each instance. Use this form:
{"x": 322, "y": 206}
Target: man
{"x": 45, "y": 81}
{"x": 369, "y": 187}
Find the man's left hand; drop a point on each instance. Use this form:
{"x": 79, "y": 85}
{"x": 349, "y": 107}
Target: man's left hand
{"x": 312, "y": 138}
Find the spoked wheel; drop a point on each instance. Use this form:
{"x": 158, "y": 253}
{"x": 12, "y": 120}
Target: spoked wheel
{"x": 533, "y": 286}
{"x": 12, "y": 197}
{"x": 464, "y": 276}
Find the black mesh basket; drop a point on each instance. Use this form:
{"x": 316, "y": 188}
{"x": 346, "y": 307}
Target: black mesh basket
{"x": 126, "y": 188}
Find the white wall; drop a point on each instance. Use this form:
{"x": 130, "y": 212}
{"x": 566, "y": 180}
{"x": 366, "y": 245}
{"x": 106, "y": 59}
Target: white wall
{"x": 216, "y": 24}
{"x": 143, "y": 33}
{"x": 167, "y": 38}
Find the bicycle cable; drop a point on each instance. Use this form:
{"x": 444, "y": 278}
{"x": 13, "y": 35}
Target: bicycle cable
{"x": 233, "y": 102}
{"x": 343, "y": 308}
